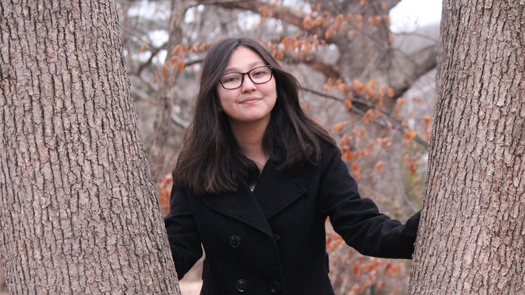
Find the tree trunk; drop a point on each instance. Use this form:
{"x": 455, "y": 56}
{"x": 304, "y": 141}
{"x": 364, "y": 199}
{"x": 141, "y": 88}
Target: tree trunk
{"x": 471, "y": 236}
{"x": 167, "y": 134}
{"x": 78, "y": 210}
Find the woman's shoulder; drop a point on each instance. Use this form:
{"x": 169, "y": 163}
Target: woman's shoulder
{"x": 330, "y": 152}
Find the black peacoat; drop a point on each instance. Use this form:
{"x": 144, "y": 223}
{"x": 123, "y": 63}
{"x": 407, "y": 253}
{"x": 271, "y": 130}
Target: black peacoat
{"x": 272, "y": 240}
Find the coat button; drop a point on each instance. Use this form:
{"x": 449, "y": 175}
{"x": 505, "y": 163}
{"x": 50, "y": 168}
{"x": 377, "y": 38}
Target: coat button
{"x": 276, "y": 287}
{"x": 242, "y": 286}
{"x": 235, "y": 241}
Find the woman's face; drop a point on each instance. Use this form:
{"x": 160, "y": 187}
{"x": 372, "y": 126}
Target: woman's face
{"x": 250, "y": 103}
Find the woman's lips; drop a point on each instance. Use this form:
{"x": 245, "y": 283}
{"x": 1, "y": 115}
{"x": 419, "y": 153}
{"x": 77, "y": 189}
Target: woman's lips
{"x": 250, "y": 100}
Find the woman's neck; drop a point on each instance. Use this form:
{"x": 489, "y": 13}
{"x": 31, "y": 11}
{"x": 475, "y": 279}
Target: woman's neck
{"x": 250, "y": 138}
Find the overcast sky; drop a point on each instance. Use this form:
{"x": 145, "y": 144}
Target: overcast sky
{"x": 409, "y": 14}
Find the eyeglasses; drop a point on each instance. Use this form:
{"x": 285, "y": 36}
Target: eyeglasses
{"x": 258, "y": 75}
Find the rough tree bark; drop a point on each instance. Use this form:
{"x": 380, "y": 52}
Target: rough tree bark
{"x": 78, "y": 210}
{"x": 472, "y": 232}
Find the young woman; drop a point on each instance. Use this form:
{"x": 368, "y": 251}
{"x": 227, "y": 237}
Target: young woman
{"x": 256, "y": 180}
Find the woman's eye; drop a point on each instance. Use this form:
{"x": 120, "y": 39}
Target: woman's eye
{"x": 230, "y": 79}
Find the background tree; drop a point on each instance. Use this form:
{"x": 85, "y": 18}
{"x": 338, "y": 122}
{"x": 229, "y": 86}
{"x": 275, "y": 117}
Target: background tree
{"x": 78, "y": 210}
{"x": 471, "y": 236}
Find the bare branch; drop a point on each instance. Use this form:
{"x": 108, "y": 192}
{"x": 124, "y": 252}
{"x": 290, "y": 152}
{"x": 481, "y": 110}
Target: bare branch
{"x": 390, "y": 122}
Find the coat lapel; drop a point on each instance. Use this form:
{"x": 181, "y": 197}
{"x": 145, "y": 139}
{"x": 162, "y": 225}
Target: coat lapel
{"x": 275, "y": 191}
{"x": 240, "y": 205}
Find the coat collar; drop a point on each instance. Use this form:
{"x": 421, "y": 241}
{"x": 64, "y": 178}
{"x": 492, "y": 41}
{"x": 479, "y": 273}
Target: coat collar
{"x": 273, "y": 193}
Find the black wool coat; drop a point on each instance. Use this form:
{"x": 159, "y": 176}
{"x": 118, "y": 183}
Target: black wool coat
{"x": 272, "y": 240}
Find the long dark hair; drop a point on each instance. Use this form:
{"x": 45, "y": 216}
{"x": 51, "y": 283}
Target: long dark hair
{"x": 211, "y": 158}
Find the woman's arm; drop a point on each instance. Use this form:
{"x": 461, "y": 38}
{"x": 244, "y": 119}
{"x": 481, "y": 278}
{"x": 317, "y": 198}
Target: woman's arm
{"x": 358, "y": 220}
{"x": 184, "y": 240}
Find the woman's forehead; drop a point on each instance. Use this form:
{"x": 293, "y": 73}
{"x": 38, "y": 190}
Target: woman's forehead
{"x": 243, "y": 59}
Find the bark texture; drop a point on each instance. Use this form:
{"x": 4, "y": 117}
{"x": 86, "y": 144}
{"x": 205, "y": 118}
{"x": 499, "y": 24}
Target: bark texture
{"x": 78, "y": 210}
{"x": 472, "y": 233}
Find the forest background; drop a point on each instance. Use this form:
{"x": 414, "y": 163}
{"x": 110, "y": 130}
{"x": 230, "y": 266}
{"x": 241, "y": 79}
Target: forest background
{"x": 367, "y": 76}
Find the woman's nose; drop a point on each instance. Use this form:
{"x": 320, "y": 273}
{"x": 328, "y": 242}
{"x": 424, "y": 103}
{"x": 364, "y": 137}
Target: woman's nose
{"x": 248, "y": 84}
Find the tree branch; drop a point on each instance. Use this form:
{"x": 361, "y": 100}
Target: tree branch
{"x": 389, "y": 122}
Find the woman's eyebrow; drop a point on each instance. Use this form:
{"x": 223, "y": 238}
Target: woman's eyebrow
{"x": 251, "y": 66}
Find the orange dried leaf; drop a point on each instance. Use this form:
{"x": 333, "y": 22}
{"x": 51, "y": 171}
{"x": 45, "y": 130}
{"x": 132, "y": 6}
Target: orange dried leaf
{"x": 380, "y": 284}
{"x": 371, "y": 84}
{"x": 362, "y": 3}
{"x": 358, "y": 20}
{"x": 358, "y": 86}
{"x": 356, "y": 170}
{"x": 144, "y": 46}
{"x": 318, "y": 21}
{"x": 329, "y": 32}
{"x": 390, "y": 92}
{"x": 368, "y": 116}
{"x": 383, "y": 5}
{"x": 345, "y": 141}
{"x": 339, "y": 127}
{"x": 377, "y": 20}
{"x": 348, "y": 104}
{"x": 400, "y": 101}
{"x": 427, "y": 120}
{"x": 351, "y": 34}
{"x": 180, "y": 64}
{"x": 341, "y": 85}
{"x": 286, "y": 41}
{"x": 349, "y": 17}
{"x": 307, "y": 106}
{"x": 347, "y": 156}
{"x": 370, "y": 20}
{"x": 393, "y": 270}
{"x": 338, "y": 18}
{"x": 307, "y": 22}
{"x": 385, "y": 142}
{"x": 409, "y": 134}
{"x": 176, "y": 49}
{"x": 379, "y": 165}
{"x": 164, "y": 70}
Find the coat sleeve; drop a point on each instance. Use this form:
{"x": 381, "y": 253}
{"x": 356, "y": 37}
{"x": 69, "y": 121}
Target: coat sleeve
{"x": 357, "y": 219}
{"x": 184, "y": 240}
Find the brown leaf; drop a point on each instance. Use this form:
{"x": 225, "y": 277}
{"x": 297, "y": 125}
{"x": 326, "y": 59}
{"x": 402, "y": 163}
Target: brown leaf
{"x": 180, "y": 64}
{"x": 339, "y": 126}
{"x": 348, "y": 104}
{"x": 358, "y": 20}
{"x": 368, "y": 116}
{"x": 164, "y": 70}
{"x": 356, "y": 170}
{"x": 390, "y": 92}
{"x": 409, "y": 134}
{"x": 371, "y": 84}
{"x": 377, "y": 20}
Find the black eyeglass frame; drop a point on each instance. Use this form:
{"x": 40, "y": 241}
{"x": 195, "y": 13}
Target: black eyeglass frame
{"x": 249, "y": 76}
